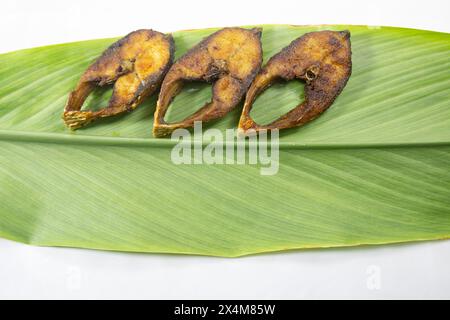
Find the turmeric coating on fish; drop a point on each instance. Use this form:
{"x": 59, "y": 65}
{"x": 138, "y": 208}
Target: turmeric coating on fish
{"x": 136, "y": 65}
{"x": 321, "y": 59}
{"x": 230, "y": 59}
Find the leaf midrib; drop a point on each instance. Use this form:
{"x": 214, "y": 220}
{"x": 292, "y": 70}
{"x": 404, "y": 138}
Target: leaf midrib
{"x": 68, "y": 139}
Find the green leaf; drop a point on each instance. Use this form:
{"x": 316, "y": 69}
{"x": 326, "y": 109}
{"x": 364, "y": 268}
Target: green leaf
{"x": 373, "y": 169}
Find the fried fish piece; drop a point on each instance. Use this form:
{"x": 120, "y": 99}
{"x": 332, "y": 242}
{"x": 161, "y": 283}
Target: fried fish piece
{"x": 136, "y": 64}
{"x": 322, "y": 59}
{"x": 230, "y": 59}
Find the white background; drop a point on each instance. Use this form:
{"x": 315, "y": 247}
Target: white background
{"x": 419, "y": 270}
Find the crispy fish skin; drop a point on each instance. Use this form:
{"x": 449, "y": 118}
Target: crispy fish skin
{"x": 322, "y": 59}
{"x": 136, "y": 64}
{"x": 229, "y": 58}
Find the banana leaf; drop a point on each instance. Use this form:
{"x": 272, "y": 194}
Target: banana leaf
{"x": 373, "y": 169}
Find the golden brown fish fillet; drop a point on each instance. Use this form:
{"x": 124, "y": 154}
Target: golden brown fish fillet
{"x": 321, "y": 59}
{"x": 136, "y": 64}
{"x": 230, "y": 59}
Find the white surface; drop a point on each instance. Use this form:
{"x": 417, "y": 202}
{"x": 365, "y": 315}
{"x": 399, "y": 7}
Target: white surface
{"x": 396, "y": 271}
{"x": 389, "y": 272}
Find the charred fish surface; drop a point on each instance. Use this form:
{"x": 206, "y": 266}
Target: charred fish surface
{"x": 136, "y": 64}
{"x": 321, "y": 59}
{"x": 230, "y": 59}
